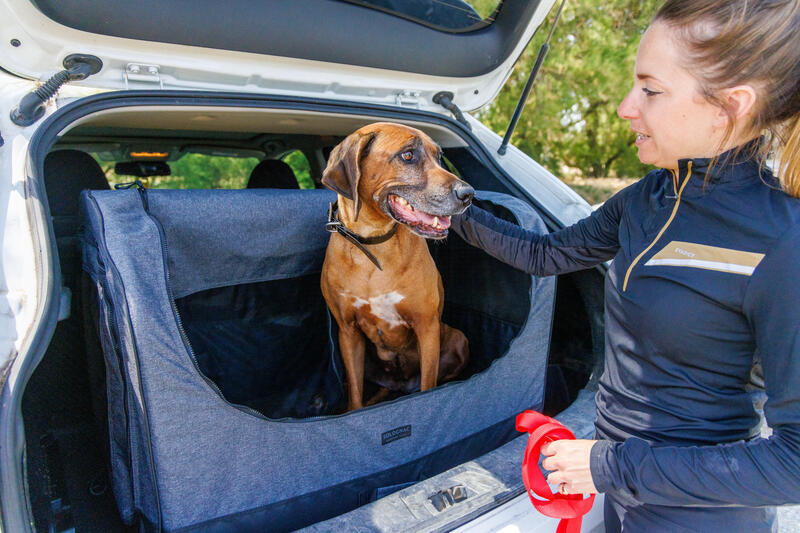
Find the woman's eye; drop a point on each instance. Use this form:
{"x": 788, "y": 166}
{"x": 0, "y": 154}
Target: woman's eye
{"x": 407, "y": 156}
{"x": 648, "y": 92}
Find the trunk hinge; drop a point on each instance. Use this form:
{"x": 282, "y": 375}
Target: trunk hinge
{"x": 407, "y": 98}
{"x": 445, "y": 99}
{"x": 141, "y": 72}
{"x": 31, "y": 107}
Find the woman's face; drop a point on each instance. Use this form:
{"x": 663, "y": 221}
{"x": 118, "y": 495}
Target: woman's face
{"x": 671, "y": 118}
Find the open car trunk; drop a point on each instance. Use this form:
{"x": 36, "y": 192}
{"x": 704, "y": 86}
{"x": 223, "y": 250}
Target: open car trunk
{"x": 197, "y": 371}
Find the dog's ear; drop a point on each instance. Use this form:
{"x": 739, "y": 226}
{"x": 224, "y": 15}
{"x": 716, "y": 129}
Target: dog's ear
{"x": 344, "y": 167}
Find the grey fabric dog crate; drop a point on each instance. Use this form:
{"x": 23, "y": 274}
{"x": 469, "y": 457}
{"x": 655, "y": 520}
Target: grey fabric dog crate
{"x": 224, "y": 385}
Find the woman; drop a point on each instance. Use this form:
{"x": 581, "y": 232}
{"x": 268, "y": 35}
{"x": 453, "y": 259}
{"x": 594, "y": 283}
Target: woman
{"x": 705, "y": 276}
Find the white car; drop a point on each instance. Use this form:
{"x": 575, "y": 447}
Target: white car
{"x": 167, "y": 363}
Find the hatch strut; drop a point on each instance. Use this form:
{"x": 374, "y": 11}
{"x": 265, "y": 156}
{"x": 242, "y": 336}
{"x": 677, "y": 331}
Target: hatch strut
{"x": 31, "y": 107}
{"x": 531, "y": 78}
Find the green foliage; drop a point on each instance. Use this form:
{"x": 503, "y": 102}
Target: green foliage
{"x": 570, "y": 123}
{"x": 302, "y": 170}
{"x": 484, "y": 7}
{"x": 198, "y": 171}
{"x": 194, "y": 171}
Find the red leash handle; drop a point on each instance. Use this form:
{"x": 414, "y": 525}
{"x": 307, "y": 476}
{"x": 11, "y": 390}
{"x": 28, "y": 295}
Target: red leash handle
{"x": 570, "y": 508}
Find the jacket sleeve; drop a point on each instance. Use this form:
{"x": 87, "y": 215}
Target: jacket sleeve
{"x": 758, "y": 472}
{"x": 586, "y": 243}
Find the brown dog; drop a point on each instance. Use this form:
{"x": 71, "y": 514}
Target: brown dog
{"x": 392, "y": 195}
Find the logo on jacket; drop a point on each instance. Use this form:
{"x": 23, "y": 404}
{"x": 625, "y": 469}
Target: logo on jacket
{"x": 703, "y": 256}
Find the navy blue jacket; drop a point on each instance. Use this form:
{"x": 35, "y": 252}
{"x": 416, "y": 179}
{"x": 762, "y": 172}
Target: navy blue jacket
{"x": 704, "y": 277}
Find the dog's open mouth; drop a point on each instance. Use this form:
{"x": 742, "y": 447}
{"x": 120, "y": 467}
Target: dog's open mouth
{"x": 424, "y": 224}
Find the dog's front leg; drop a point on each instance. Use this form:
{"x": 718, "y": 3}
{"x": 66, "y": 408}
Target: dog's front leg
{"x": 352, "y": 346}
{"x": 428, "y": 340}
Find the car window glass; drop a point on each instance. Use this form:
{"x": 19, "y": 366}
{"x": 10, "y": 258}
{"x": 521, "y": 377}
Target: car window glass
{"x": 453, "y": 15}
{"x": 302, "y": 170}
{"x": 193, "y": 171}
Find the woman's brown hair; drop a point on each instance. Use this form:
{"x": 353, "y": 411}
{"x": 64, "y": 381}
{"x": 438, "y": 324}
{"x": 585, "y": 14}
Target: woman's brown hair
{"x": 755, "y": 42}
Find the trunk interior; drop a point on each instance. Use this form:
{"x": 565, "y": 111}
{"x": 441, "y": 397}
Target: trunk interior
{"x": 64, "y": 406}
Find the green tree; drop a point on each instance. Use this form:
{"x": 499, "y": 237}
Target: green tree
{"x": 198, "y": 171}
{"x": 570, "y": 121}
{"x": 302, "y": 170}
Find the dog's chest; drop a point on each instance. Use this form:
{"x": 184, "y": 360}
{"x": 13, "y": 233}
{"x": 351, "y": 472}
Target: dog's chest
{"x": 380, "y": 319}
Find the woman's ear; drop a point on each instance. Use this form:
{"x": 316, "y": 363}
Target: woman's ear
{"x": 738, "y": 102}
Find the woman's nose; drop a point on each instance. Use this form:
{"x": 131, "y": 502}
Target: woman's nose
{"x": 627, "y": 108}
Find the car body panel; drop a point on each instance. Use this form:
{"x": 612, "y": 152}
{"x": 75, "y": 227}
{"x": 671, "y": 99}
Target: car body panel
{"x": 43, "y": 44}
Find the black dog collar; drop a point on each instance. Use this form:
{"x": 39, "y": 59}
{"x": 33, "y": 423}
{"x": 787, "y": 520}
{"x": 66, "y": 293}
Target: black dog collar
{"x": 334, "y": 225}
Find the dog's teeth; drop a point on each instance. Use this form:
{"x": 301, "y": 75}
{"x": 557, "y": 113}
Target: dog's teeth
{"x": 402, "y": 201}
{"x": 435, "y": 222}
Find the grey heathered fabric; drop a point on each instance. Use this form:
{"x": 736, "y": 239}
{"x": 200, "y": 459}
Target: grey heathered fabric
{"x": 209, "y": 458}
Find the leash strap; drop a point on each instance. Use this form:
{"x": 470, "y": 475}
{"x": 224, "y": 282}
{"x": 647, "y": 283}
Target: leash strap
{"x": 570, "y": 508}
{"x": 334, "y": 225}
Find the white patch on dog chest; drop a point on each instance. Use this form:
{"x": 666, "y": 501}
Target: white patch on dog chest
{"x": 358, "y": 303}
{"x": 383, "y": 307}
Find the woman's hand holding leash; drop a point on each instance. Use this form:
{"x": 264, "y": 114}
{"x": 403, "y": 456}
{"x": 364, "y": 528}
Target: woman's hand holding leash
{"x": 568, "y": 461}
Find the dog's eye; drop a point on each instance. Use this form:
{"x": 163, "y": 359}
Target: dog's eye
{"x": 407, "y": 155}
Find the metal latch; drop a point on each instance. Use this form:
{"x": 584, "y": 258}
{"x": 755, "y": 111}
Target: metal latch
{"x": 448, "y": 497}
{"x": 407, "y": 98}
{"x": 144, "y": 73}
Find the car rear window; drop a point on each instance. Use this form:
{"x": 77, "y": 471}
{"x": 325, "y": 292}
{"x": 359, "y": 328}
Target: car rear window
{"x": 454, "y": 15}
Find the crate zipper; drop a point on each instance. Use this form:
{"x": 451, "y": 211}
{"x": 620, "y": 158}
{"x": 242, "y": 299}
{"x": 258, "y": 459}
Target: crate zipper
{"x": 184, "y": 337}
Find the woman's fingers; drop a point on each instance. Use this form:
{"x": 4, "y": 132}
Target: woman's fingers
{"x": 550, "y": 448}
{"x": 568, "y": 461}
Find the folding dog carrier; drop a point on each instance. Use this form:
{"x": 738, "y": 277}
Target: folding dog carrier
{"x": 224, "y": 386}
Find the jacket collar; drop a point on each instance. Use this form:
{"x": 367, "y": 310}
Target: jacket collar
{"x": 738, "y": 166}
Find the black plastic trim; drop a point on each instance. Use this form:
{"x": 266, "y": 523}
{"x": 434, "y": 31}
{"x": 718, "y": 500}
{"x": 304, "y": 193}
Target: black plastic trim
{"x": 320, "y": 30}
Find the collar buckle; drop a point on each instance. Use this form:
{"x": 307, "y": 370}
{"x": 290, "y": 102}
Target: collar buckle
{"x": 333, "y": 223}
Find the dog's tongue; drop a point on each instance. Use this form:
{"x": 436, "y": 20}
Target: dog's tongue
{"x": 414, "y": 215}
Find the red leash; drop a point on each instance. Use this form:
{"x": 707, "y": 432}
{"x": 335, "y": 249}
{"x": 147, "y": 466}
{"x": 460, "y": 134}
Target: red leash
{"x": 570, "y": 508}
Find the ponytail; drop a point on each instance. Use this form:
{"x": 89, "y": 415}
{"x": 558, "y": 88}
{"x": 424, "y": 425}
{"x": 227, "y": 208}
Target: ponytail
{"x": 789, "y": 168}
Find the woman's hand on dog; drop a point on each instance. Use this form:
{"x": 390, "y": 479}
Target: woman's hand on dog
{"x": 568, "y": 461}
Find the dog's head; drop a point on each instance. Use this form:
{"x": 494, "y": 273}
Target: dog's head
{"x": 395, "y": 172}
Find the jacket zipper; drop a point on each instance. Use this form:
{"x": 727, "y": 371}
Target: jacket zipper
{"x": 663, "y": 229}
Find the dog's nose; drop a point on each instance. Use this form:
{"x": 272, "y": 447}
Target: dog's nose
{"x": 464, "y": 192}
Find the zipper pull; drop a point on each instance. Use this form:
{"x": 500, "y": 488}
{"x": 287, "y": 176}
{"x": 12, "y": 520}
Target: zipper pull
{"x": 31, "y": 107}
{"x": 122, "y": 186}
{"x": 139, "y": 187}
